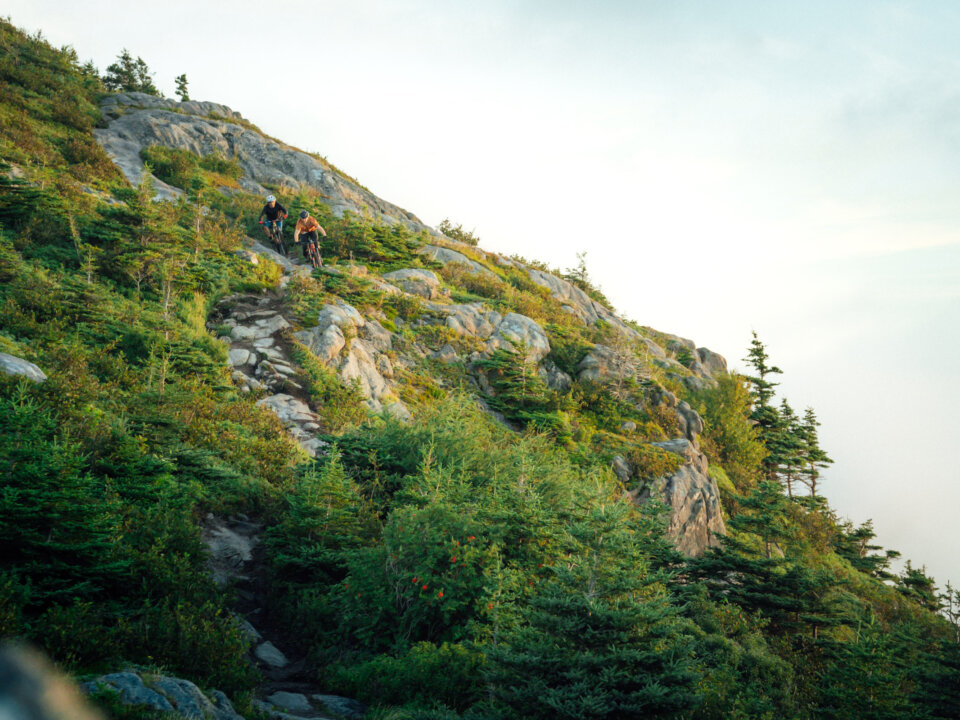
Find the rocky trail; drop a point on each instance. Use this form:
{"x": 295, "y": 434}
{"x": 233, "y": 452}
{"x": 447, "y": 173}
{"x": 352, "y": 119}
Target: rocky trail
{"x": 255, "y": 328}
{"x": 260, "y": 356}
{"x": 289, "y": 690}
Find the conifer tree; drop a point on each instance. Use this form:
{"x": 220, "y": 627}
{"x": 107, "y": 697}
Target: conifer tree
{"x": 59, "y": 526}
{"x": 519, "y": 392}
{"x": 182, "y": 91}
{"x": 764, "y": 414}
{"x": 600, "y": 639}
{"x": 755, "y": 569}
{"x": 785, "y": 443}
{"x": 129, "y": 75}
{"x": 865, "y": 677}
{"x": 915, "y": 584}
{"x": 814, "y": 457}
{"x": 937, "y": 692}
{"x": 762, "y": 385}
{"x": 853, "y": 544}
{"x": 729, "y": 437}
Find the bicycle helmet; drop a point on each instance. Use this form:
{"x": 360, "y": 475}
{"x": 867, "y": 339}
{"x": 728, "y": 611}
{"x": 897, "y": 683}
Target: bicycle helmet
{"x": 304, "y": 214}
{"x": 271, "y": 198}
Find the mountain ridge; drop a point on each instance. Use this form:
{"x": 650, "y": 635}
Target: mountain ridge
{"x": 202, "y": 488}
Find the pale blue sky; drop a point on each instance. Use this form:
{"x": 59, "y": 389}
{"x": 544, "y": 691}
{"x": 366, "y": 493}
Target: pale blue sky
{"x": 788, "y": 167}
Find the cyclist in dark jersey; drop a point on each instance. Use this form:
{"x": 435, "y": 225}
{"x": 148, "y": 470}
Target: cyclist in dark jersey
{"x": 274, "y": 213}
{"x": 306, "y": 229}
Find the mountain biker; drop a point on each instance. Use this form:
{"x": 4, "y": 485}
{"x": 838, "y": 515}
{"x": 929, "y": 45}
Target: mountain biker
{"x": 274, "y": 212}
{"x": 308, "y": 227}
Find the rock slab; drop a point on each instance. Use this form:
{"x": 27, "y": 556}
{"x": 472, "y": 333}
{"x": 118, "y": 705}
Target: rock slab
{"x": 12, "y": 365}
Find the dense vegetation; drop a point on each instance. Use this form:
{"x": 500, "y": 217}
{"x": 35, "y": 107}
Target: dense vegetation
{"x": 449, "y": 567}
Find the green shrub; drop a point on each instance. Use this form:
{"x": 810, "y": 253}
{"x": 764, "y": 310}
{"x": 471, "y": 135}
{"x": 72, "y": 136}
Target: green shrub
{"x": 339, "y": 404}
{"x": 172, "y": 165}
{"x": 456, "y": 232}
{"x": 427, "y": 674}
{"x": 221, "y": 165}
{"x": 649, "y": 461}
{"x": 409, "y": 307}
{"x": 479, "y": 284}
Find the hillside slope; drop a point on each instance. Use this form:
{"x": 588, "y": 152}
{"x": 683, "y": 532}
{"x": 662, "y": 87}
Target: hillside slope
{"x": 420, "y": 476}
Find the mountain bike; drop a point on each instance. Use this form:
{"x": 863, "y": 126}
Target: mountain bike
{"x": 313, "y": 252}
{"x": 275, "y": 231}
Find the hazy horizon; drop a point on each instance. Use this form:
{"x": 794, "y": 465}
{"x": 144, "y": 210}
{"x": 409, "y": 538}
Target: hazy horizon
{"x": 746, "y": 166}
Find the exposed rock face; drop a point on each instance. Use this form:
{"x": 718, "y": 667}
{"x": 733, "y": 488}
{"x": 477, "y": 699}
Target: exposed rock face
{"x": 12, "y": 365}
{"x": 166, "y": 694}
{"x": 692, "y": 496}
{"x": 415, "y": 281}
{"x": 470, "y": 319}
{"x": 272, "y": 255}
{"x": 516, "y": 331}
{"x": 293, "y": 702}
{"x": 691, "y": 424}
{"x": 578, "y": 302}
{"x": 509, "y": 332}
{"x": 137, "y": 121}
{"x": 362, "y": 359}
{"x": 360, "y": 365}
{"x": 270, "y": 655}
{"x": 555, "y": 378}
{"x": 712, "y": 363}
{"x": 702, "y": 362}
{"x": 603, "y": 364}
{"x": 448, "y": 256}
{"x": 230, "y": 545}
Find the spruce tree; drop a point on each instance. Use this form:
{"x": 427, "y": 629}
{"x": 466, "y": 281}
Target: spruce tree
{"x": 121, "y": 76}
{"x": 129, "y": 75}
{"x": 761, "y": 384}
{"x": 865, "y": 677}
{"x": 145, "y": 78}
{"x": 853, "y": 544}
{"x": 182, "y": 91}
{"x": 600, "y": 638}
{"x": 915, "y": 584}
{"x": 785, "y": 442}
{"x": 814, "y": 457}
{"x": 59, "y": 525}
{"x": 764, "y": 414}
{"x": 756, "y": 569}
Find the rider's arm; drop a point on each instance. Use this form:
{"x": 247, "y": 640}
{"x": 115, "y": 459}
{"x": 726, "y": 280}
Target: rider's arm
{"x": 322, "y": 231}
{"x": 262, "y": 213}
{"x": 296, "y": 232}
{"x": 283, "y": 210}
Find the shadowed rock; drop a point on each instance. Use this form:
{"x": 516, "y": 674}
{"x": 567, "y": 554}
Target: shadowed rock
{"x": 691, "y": 495}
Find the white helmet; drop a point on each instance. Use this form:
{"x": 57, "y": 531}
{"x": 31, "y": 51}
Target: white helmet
{"x": 271, "y": 198}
